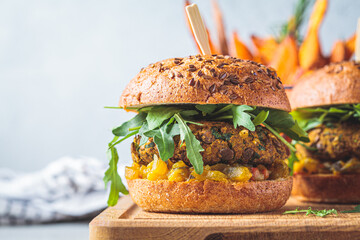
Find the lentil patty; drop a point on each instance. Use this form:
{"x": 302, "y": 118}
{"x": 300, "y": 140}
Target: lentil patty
{"x": 222, "y": 143}
{"x": 339, "y": 141}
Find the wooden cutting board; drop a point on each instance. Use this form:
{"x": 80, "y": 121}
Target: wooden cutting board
{"x": 127, "y": 221}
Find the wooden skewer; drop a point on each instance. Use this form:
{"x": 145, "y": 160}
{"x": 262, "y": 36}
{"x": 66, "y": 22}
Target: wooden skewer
{"x": 357, "y": 43}
{"x": 198, "y": 28}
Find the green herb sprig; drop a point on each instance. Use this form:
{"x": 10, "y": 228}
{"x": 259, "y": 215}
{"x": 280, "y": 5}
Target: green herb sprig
{"x": 355, "y": 210}
{"x": 292, "y": 27}
{"x": 309, "y": 211}
{"x": 162, "y": 123}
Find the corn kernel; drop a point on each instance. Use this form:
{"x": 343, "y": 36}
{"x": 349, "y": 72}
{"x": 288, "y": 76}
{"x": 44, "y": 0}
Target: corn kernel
{"x": 216, "y": 176}
{"x": 179, "y": 164}
{"x": 244, "y": 133}
{"x": 311, "y": 165}
{"x": 132, "y": 173}
{"x": 238, "y": 174}
{"x": 143, "y": 171}
{"x": 256, "y": 141}
{"x": 199, "y": 177}
{"x": 150, "y": 166}
{"x": 178, "y": 175}
{"x": 298, "y": 167}
{"x": 136, "y": 165}
{"x": 157, "y": 169}
{"x": 207, "y": 168}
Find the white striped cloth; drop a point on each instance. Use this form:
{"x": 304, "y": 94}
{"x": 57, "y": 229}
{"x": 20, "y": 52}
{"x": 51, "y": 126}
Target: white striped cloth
{"x": 66, "y": 190}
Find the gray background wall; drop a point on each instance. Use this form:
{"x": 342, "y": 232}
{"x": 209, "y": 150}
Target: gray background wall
{"x": 62, "y": 61}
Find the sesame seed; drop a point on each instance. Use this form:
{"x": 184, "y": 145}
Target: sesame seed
{"x": 192, "y": 82}
{"x": 223, "y": 75}
{"x": 233, "y": 96}
{"x": 249, "y": 80}
{"x": 234, "y": 79}
{"x": 212, "y": 88}
{"x": 197, "y": 84}
{"x": 192, "y": 68}
{"x": 221, "y": 65}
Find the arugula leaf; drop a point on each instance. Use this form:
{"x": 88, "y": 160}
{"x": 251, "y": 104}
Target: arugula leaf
{"x": 193, "y": 147}
{"x": 157, "y": 115}
{"x": 280, "y": 119}
{"x": 296, "y": 133}
{"x": 136, "y": 121}
{"x": 273, "y": 131}
{"x": 319, "y": 213}
{"x": 284, "y": 122}
{"x": 189, "y": 113}
{"x": 242, "y": 118}
{"x": 144, "y": 128}
{"x": 112, "y": 175}
{"x": 310, "y": 118}
{"x": 260, "y": 118}
{"x": 122, "y": 139}
{"x": 355, "y": 210}
{"x": 206, "y": 108}
{"x": 164, "y": 141}
{"x": 174, "y": 129}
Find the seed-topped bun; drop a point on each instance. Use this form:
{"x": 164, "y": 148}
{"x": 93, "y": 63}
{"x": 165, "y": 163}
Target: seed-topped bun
{"x": 337, "y": 83}
{"x": 206, "y": 80}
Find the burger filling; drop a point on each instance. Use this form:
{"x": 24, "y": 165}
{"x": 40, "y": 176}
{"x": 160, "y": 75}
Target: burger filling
{"x": 334, "y": 145}
{"x": 230, "y": 154}
{"x": 219, "y": 142}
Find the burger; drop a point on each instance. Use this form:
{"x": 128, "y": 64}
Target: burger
{"x": 206, "y": 137}
{"x": 326, "y": 105}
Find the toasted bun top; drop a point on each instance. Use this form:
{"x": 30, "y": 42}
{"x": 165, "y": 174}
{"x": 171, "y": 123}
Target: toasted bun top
{"x": 337, "y": 83}
{"x": 206, "y": 80}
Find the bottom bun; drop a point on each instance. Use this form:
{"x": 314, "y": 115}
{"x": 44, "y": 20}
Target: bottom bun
{"x": 210, "y": 196}
{"x": 327, "y": 188}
